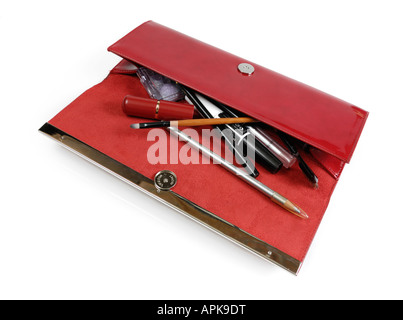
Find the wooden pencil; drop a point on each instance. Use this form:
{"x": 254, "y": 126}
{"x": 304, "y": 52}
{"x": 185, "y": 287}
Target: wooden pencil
{"x": 192, "y": 122}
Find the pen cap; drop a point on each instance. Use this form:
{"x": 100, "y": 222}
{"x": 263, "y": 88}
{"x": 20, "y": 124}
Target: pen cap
{"x": 156, "y": 109}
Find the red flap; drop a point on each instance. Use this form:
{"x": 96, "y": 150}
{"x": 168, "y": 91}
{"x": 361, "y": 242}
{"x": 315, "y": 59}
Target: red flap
{"x": 310, "y": 115}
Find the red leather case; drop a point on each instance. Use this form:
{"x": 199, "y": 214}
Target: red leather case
{"x": 310, "y": 115}
{"x": 95, "y": 125}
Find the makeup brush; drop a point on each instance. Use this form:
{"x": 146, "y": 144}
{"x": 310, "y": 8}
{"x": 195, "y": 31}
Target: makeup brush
{"x": 191, "y": 122}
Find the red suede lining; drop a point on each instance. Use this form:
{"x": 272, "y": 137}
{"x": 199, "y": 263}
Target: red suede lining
{"x": 96, "y": 118}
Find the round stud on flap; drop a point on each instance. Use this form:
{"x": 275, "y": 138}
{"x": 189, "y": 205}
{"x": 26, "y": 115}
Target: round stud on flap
{"x": 246, "y": 68}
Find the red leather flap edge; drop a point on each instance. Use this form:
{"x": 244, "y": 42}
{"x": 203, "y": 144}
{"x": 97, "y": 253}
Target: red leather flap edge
{"x": 308, "y": 114}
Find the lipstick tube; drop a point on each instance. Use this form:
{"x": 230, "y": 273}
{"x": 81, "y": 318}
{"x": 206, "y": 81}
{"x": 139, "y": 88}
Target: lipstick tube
{"x": 156, "y": 109}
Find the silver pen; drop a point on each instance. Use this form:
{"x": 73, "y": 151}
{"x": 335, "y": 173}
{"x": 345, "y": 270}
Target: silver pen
{"x": 274, "y": 196}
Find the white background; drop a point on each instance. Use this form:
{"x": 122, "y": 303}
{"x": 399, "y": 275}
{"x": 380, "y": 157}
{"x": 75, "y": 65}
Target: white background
{"x": 68, "y": 230}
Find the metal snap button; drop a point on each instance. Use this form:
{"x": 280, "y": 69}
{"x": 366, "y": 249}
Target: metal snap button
{"x": 165, "y": 180}
{"x": 246, "y": 68}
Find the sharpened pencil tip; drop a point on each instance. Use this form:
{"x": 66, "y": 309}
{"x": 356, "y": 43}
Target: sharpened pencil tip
{"x": 302, "y": 214}
{"x": 135, "y": 126}
{"x": 288, "y": 205}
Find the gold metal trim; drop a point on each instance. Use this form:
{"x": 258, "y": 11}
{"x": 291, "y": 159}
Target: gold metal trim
{"x": 157, "y": 109}
{"x": 174, "y": 200}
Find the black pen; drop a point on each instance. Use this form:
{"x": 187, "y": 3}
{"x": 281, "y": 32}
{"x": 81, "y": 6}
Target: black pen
{"x": 302, "y": 164}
